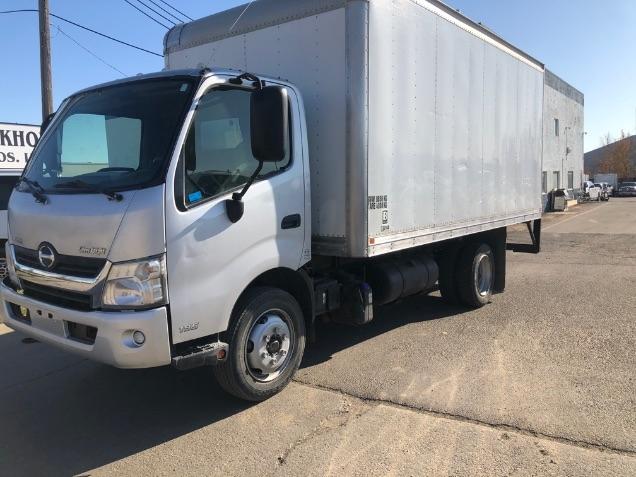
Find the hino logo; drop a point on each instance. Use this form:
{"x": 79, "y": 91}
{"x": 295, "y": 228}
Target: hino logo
{"x": 46, "y": 255}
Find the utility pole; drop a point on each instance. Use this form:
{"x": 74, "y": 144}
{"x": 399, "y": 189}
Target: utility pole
{"x": 45, "y": 59}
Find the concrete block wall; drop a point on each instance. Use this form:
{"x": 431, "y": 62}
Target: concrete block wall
{"x": 564, "y": 103}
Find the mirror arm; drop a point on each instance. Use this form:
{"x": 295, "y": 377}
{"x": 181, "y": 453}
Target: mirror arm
{"x": 234, "y": 207}
{"x": 248, "y": 184}
{"x": 256, "y": 81}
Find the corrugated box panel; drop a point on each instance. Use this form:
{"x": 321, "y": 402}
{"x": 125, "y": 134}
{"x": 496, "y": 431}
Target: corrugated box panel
{"x": 455, "y": 128}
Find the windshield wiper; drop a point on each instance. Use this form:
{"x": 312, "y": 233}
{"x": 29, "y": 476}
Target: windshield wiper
{"x": 80, "y": 184}
{"x": 35, "y": 189}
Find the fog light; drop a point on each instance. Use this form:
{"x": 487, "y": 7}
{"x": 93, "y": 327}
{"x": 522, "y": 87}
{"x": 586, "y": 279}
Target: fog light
{"x": 139, "y": 338}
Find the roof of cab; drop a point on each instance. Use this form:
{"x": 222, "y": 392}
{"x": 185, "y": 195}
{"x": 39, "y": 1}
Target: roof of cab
{"x": 193, "y": 72}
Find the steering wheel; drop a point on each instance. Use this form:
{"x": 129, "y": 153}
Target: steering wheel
{"x": 211, "y": 182}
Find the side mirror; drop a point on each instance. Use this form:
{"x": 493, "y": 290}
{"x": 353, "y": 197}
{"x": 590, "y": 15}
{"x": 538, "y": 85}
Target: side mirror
{"x": 269, "y": 124}
{"x": 46, "y": 122}
{"x": 269, "y": 130}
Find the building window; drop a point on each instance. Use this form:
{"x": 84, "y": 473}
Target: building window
{"x": 570, "y": 179}
{"x": 544, "y": 182}
{"x": 556, "y": 127}
{"x": 556, "y": 179}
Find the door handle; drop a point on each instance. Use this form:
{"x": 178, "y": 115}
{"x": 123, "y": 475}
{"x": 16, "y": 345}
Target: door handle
{"x": 290, "y": 222}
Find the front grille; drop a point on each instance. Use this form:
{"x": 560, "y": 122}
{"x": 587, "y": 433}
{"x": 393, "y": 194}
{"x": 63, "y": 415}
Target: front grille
{"x": 54, "y": 296}
{"x": 85, "y": 267}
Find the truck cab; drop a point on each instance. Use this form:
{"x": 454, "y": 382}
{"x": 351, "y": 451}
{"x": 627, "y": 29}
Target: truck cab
{"x": 144, "y": 215}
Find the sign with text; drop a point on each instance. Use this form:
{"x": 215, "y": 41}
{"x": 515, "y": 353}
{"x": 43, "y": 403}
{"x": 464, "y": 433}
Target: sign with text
{"x": 16, "y": 144}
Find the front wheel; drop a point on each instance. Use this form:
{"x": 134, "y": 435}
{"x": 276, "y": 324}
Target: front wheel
{"x": 266, "y": 343}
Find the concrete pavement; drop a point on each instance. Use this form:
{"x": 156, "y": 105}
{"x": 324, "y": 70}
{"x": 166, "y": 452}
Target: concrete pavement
{"x": 600, "y": 217}
{"x": 540, "y": 382}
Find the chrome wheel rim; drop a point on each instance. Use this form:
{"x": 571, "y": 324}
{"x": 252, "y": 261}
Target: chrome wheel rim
{"x": 483, "y": 274}
{"x": 269, "y": 346}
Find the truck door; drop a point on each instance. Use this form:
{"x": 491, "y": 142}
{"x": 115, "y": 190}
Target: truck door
{"x": 211, "y": 260}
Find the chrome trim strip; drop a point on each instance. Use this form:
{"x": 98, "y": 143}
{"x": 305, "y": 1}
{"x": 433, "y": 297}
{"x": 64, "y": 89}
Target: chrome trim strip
{"x": 57, "y": 280}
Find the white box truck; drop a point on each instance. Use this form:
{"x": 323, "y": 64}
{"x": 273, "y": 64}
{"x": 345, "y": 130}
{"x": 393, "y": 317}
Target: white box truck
{"x": 610, "y": 179}
{"x": 16, "y": 144}
{"x": 318, "y": 158}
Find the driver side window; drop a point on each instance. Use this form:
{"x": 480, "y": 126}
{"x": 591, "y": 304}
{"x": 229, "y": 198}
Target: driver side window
{"x": 217, "y": 152}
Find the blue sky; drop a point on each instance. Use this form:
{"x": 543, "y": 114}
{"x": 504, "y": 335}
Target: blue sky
{"x": 589, "y": 43}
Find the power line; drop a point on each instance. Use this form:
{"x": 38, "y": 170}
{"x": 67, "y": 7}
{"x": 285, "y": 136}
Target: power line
{"x": 144, "y": 13}
{"x": 166, "y": 11}
{"x": 89, "y": 51}
{"x": 156, "y": 12}
{"x": 178, "y": 11}
{"x": 87, "y": 29}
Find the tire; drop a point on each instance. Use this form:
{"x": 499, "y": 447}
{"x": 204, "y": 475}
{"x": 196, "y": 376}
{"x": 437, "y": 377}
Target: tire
{"x": 475, "y": 275}
{"x": 446, "y": 280}
{"x": 273, "y": 318}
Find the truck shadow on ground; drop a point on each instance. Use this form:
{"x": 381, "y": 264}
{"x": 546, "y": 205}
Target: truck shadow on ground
{"x": 67, "y": 419}
{"x": 334, "y": 337}
{"x": 80, "y": 417}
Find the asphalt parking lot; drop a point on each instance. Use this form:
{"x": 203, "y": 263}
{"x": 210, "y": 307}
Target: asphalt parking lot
{"x": 540, "y": 382}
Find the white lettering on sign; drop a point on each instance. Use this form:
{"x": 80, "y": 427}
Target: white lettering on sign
{"x": 16, "y": 144}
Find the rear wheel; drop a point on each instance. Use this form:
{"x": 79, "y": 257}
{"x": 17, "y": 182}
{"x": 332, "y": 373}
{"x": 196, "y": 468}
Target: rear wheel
{"x": 475, "y": 275}
{"x": 266, "y": 344}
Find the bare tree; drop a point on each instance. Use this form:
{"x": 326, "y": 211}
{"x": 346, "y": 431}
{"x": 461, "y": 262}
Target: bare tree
{"x": 606, "y": 140}
{"x": 617, "y": 155}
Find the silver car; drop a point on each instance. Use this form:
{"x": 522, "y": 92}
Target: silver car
{"x": 627, "y": 189}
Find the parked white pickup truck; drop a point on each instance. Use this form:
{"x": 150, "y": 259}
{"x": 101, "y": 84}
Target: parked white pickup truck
{"x": 591, "y": 191}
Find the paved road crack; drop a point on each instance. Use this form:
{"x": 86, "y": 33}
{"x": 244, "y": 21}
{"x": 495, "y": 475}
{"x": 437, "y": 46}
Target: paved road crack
{"x": 470, "y": 420}
{"x": 349, "y": 410}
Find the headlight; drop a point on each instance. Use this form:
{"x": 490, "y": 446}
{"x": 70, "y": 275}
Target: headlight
{"x": 138, "y": 284}
{"x": 10, "y": 265}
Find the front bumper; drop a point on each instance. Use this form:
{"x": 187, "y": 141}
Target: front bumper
{"x": 112, "y": 343}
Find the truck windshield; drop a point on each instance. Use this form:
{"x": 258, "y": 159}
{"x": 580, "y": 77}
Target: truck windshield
{"x": 113, "y": 138}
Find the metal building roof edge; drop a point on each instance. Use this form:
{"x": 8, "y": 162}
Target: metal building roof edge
{"x": 559, "y": 84}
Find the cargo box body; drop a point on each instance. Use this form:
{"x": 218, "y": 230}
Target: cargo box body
{"x": 421, "y": 125}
